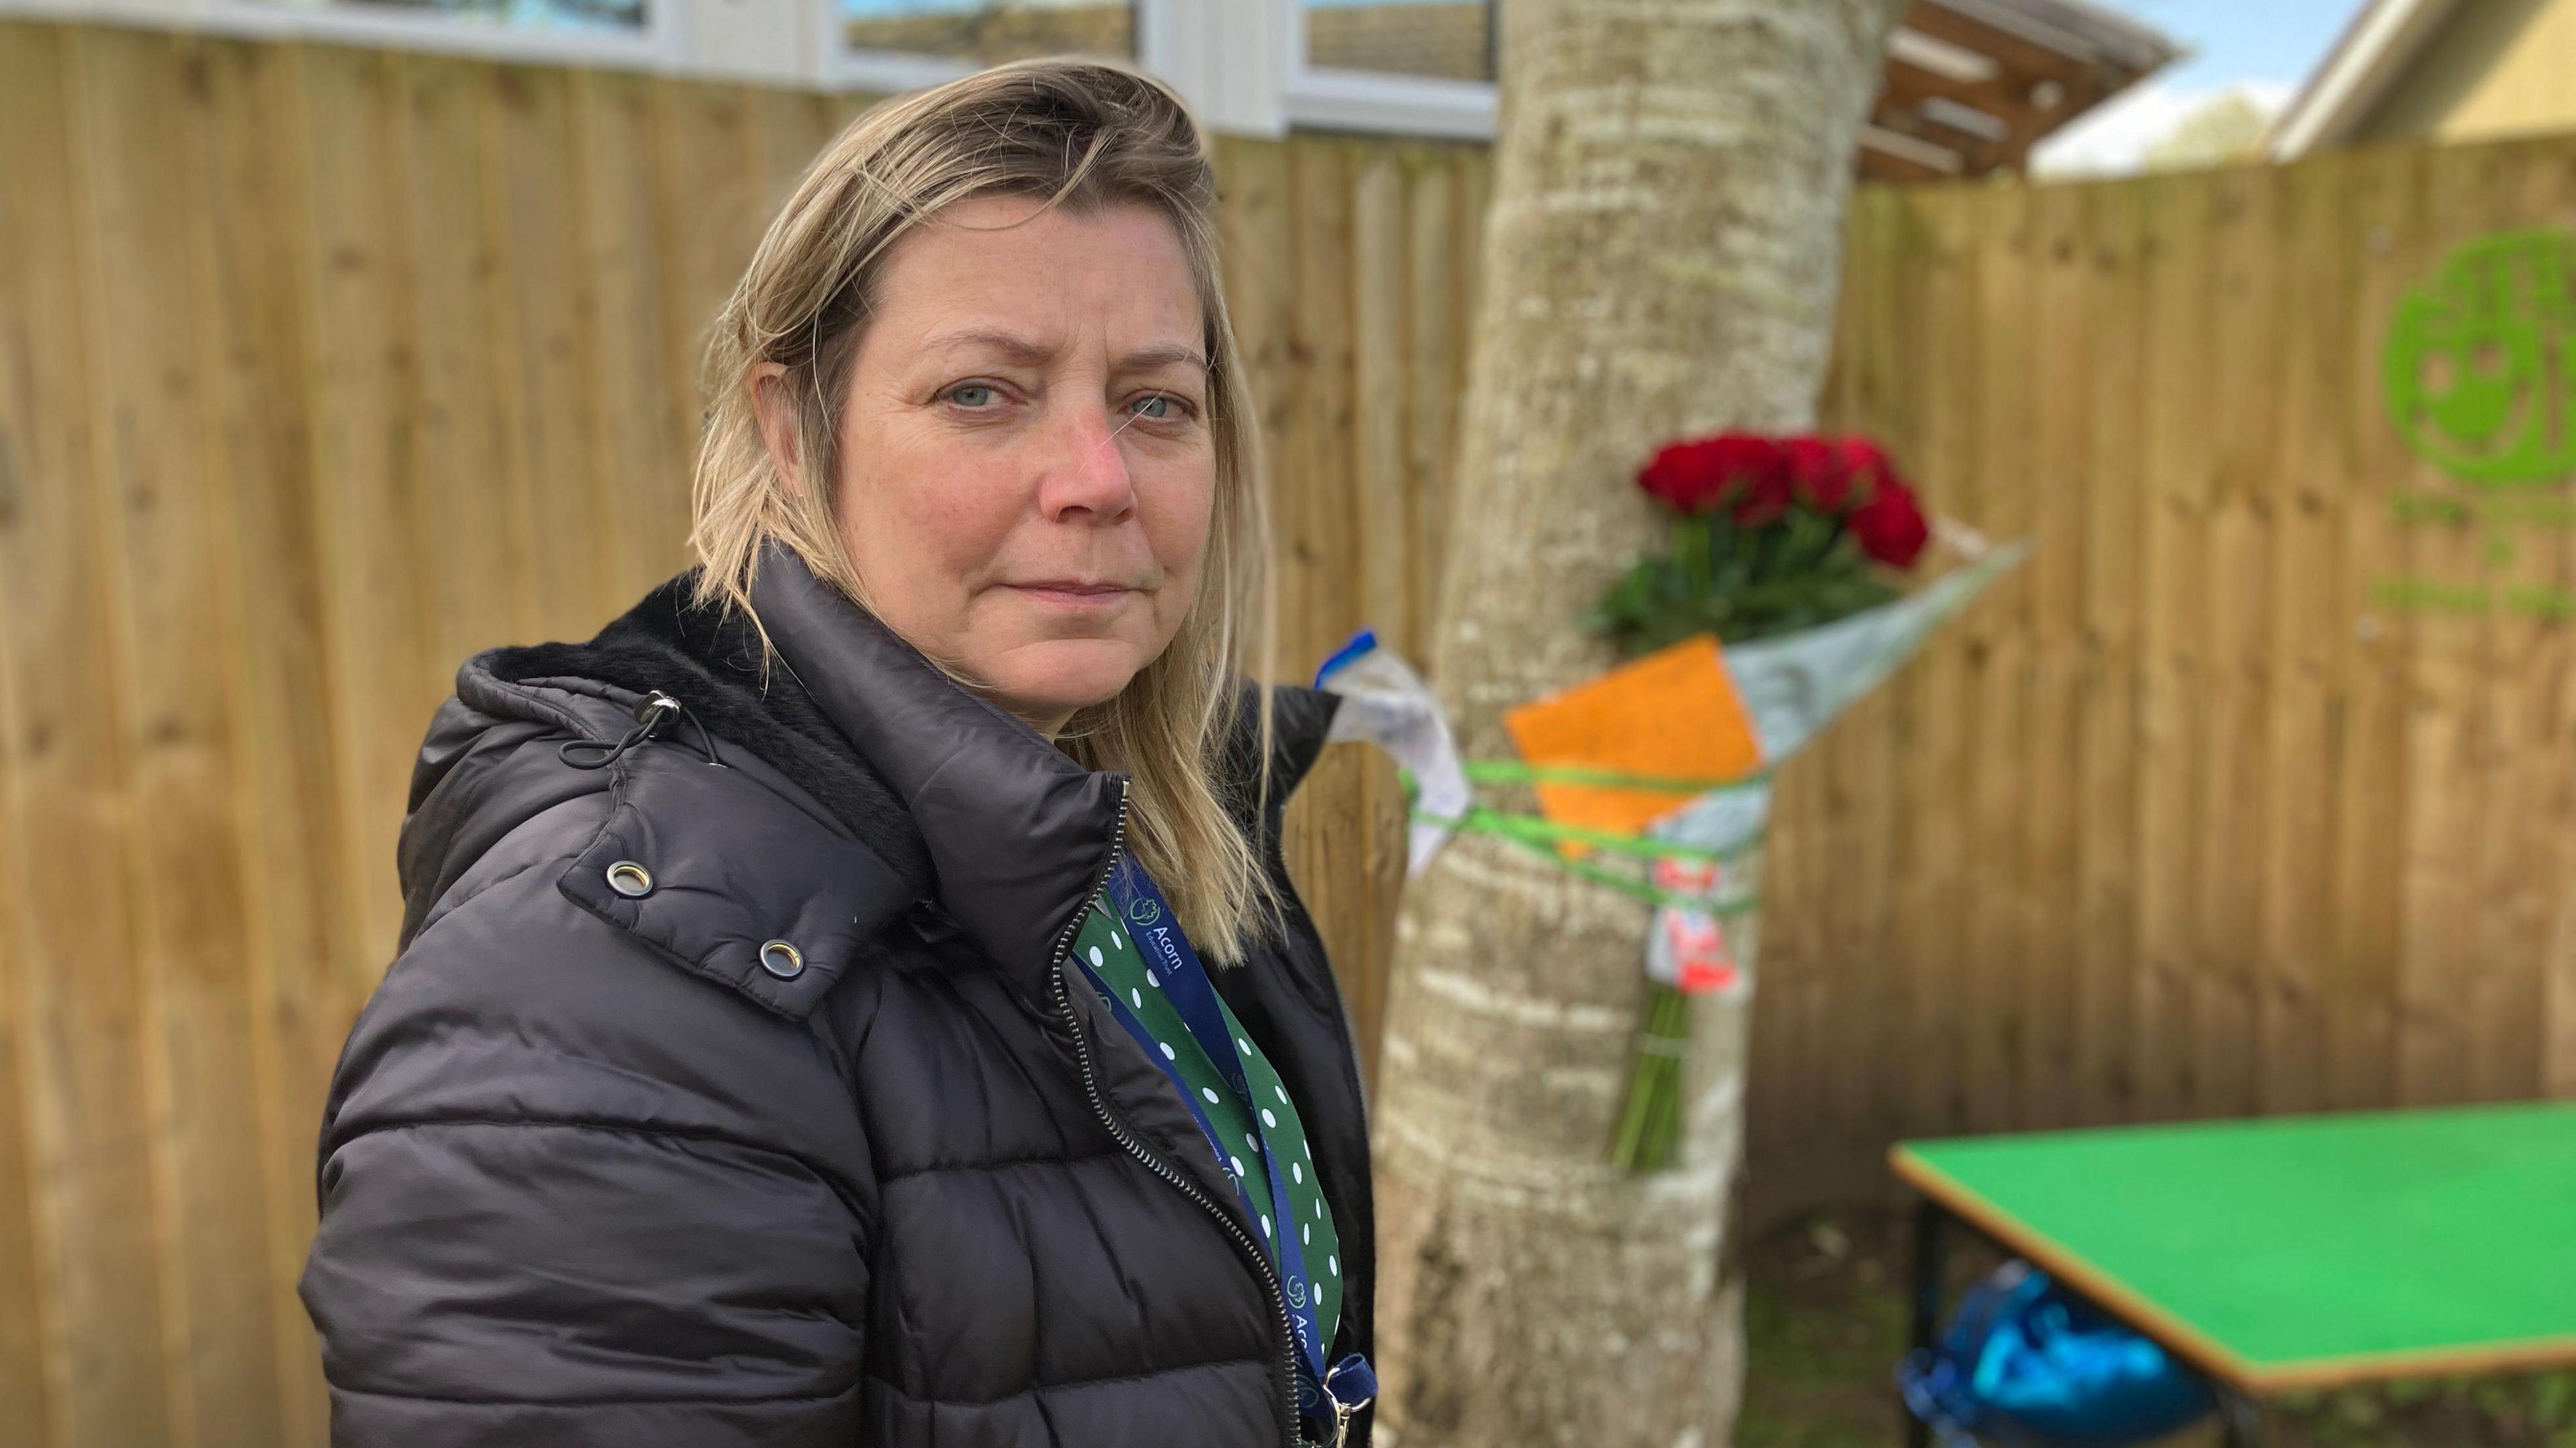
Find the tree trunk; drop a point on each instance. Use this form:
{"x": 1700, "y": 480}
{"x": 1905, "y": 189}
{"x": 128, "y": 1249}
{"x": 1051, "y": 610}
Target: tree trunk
{"x": 1661, "y": 260}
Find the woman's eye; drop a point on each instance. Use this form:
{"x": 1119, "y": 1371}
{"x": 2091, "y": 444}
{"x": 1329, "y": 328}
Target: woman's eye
{"x": 967, "y": 394}
{"x": 1173, "y": 409}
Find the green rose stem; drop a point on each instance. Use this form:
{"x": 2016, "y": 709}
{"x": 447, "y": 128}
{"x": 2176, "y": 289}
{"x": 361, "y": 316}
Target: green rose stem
{"x": 1650, "y": 1121}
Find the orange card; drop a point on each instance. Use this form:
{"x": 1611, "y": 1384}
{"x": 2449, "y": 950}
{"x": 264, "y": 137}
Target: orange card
{"x": 1674, "y": 713}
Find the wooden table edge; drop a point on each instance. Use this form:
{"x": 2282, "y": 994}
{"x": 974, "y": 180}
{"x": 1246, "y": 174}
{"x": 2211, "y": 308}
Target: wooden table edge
{"x": 2518, "y": 1355}
{"x": 2204, "y": 1351}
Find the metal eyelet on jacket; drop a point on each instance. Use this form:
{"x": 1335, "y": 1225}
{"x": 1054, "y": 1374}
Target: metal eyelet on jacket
{"x": 630, "y": 879}
{"x": 782, "y": 960}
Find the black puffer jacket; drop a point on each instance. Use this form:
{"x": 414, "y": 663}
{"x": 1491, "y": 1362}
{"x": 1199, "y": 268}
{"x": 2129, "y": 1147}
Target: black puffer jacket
{"x": 604, "y": 1165}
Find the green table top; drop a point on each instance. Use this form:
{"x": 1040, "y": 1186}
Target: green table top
{"x": 2298, "y": 1251}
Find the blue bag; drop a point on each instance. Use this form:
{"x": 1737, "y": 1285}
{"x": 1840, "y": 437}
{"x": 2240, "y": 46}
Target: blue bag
{"x": 2027, "y": 1364}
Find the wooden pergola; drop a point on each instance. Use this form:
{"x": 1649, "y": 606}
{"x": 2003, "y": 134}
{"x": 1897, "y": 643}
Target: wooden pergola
{"x": 1972, "y": 85}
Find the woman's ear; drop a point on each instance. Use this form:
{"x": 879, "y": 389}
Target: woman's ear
{"x": 776, "y": 412}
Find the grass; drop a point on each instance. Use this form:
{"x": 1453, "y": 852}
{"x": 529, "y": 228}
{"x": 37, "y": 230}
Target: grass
{"x": 1825, "y": 1323}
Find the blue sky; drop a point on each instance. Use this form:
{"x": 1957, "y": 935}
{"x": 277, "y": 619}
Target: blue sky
{"x": 2264, "y": 46}
{"x": 2245, "y": 39}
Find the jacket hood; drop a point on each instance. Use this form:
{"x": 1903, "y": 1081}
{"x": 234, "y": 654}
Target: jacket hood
{"x": 956, "y": 802}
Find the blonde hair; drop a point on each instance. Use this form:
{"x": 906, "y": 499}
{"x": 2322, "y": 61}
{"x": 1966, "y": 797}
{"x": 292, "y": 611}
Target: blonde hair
{"x": 1084, "y": 135}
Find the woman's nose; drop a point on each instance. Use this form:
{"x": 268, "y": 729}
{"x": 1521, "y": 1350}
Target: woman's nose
{"x": 1087, "y": 471}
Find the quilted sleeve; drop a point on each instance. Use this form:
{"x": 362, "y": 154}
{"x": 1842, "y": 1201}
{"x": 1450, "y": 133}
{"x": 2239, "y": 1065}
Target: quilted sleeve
{"x": 569, "y": 1197}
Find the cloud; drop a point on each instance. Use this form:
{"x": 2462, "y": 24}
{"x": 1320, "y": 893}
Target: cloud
{"x": 2113, "y": 139}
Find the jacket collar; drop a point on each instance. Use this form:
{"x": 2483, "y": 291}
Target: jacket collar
{"x": 1018, "y": 834}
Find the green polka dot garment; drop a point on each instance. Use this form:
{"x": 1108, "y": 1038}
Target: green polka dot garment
{"x": 1129, "y": 984}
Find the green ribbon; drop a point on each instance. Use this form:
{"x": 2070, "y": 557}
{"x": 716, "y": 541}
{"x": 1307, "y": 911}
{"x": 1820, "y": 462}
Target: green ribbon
{"x": 1541, "y": 835}
{"x": 1513, "y": 771}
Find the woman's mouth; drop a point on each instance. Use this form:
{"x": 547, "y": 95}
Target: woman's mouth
{"x": 1075, "y": 594}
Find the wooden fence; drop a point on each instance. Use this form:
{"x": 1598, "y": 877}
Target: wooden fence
{"x": 2225, "y": 804}
{"x": 322, "y": 368}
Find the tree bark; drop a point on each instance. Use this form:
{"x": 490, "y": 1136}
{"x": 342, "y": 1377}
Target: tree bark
{"x": 1661, "y": 260}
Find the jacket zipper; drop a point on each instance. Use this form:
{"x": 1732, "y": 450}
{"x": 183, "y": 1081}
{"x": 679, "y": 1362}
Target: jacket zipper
{"x": 1137, "y": 1149}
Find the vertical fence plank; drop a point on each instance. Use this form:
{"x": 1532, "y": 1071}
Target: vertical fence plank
{"x": 80, "y": 1000}
{"x": 363, "y": 364}
{"x": 1860, "y": 971}
{"x": 2450, "y": 748}
{"x": 2246, "y": 343}
{"x": 248, "y": 181}
{"x": 2175, "y": 453}
{"x": 707, "y": 216}
{"x": 1318, "y": 540}
{"x": 2297, "y": 750}
{"x": 1997, "y": 634}
{"x": 2052, "y": 742}
{"x": 2245, "y": 354}
{"x": 634, "y": 440}
{"x": 1432, "y": 384}
{"x": 2383, "y": 218}
{"x": 543, "y": 368}
{"x": 2523, "y": 853}
{"x": 2105, "y": 910}
{"x": 1254, "y": 207}
{"x": 1936, "y": 879}
{"x": 24, "y": 1286}
{"x": 479, "y": 580}
{"x": 1784, "y": 1081}
{"x": 42, "y": 444}
{"x": 144, "y": 95}
{"x": 2549, "y": 998}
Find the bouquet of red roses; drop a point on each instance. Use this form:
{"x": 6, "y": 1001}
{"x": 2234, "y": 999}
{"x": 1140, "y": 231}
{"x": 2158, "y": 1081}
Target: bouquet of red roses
{"x": 1774, "y": 534}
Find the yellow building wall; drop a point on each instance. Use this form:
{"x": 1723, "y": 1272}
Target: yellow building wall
{"x": 2499, "y": 68}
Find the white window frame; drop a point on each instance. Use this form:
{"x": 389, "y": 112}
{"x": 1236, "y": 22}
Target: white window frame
{"x": 892, "y": 71}
{"x": 1379, "y": 102}
{"x": 1240, "y": 63}
{"x": 654, "y": 45}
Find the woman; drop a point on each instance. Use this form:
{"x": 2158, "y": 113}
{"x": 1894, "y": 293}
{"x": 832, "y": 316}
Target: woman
{"x": 856, "y": 998}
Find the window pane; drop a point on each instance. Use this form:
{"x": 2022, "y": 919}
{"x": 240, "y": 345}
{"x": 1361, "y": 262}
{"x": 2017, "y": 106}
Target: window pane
{"x": 991, "y": 31}
{"x": 610, "y": 15}
{"x": 1452, "y": 39}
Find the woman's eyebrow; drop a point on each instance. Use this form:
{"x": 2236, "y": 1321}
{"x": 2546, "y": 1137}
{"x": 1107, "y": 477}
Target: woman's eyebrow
{"x": 1023, "y": 350}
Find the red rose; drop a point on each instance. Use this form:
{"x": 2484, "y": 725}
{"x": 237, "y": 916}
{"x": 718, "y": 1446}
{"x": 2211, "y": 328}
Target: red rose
{"x": 1866, "y": 468}
{"x": 1756, "y": 477}
{"x": 1748, "y": 461}
{"x": 1819, "y": 474}
{"x": 1890, "y": 526}
{"x": 1684, "y": 477}
{"x": 1765, "y": 496}
{"x": 1697, "y": 476}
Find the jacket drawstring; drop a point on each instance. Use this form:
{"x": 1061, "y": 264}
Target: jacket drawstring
{"x": 650, "y": 716}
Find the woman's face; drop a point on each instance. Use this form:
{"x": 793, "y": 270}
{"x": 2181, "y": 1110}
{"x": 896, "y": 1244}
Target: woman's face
{"x": 1026, "y": 468}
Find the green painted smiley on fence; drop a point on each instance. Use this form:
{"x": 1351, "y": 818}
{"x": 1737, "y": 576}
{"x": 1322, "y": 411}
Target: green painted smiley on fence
{"x": 2480, "y": 369}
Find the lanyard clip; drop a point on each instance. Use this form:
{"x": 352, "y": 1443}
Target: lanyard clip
{"x": 1350, "y": 1386}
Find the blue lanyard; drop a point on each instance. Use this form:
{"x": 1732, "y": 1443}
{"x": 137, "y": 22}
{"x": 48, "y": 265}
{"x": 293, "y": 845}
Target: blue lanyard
{"x": 1136, "y": 901}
